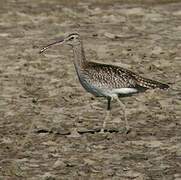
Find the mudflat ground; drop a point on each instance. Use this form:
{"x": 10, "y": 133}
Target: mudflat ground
{"x": 42, "y": 102}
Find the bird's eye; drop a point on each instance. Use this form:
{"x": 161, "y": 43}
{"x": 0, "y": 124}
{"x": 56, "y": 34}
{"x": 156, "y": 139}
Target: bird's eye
{"x": 71, "y": 38}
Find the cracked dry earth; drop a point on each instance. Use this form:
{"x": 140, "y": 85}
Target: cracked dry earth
{"x": 42, "y": 102}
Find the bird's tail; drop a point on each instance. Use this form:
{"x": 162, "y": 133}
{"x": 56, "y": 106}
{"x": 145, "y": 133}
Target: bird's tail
{"x": 150, "y": 84}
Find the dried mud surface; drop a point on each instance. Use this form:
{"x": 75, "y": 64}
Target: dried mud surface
{"x": 42, "y": 92}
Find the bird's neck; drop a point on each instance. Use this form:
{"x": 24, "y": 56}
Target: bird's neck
{"x": 79, "y": 56}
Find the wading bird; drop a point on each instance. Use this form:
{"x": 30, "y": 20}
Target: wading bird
{"x": 104, "y": 80}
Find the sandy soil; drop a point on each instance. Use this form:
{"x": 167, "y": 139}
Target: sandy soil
{"x": 42, "y": 92}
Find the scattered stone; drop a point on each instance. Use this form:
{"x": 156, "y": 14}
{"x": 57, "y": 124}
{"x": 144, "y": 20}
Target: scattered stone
{"x": 113, "y": 19}
{"x": 48, "y": 176}
{"x": 157, "y": 50}
{"x": 133, "y": 11}
{"x": 49, "y": 143}
{"x": 177, "y": 176}
{"x": 59, "y": 164}
{"x": 155, "y": 17}
{"x": 7, "y": 140}
{"x": 177, "y": 13}
{"x": 109, "y": 35}
{"x": 89, "y": 161}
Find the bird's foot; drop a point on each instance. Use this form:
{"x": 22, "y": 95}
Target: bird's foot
{"x": 125, "y": 130}
{"x": 102, "y": 131}
{"x": 74, "y": 133}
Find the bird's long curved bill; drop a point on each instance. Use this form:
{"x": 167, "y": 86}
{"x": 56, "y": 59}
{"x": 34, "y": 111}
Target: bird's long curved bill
{"x": 60, "y": 41}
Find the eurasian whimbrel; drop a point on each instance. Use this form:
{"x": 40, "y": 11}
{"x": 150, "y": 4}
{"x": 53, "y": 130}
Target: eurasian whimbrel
{"x": 105, "y": 80}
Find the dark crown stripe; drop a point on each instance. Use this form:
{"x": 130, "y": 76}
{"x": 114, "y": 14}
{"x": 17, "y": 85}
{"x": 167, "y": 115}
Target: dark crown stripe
{"x": 71, "y": 34}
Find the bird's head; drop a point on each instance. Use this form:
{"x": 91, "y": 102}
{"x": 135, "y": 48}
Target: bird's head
{"x": 72, "y": 39}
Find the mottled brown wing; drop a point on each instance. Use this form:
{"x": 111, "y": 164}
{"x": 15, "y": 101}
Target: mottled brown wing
{"x": 109, "y": 76}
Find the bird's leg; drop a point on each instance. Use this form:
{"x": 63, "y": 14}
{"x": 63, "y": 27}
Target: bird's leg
{"x": 107, "y": 114}
{"x": 74, "y": 133}
{"x": 124, "y": 113}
